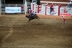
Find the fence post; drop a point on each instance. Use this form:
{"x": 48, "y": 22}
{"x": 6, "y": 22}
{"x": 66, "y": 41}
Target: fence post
{"x": 23, "y": 6}
{"x": 0, "y": 7}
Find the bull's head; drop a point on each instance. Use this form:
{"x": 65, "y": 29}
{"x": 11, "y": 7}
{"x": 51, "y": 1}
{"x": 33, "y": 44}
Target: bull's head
{"x": 27, "y": 16}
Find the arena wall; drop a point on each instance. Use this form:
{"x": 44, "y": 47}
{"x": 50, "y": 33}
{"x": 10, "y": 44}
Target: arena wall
{"x": 58, "y": 10}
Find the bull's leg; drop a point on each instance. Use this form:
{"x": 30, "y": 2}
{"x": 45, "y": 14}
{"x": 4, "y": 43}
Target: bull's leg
{"x": 29, "y": 20}
{"x": 37, "y": 18}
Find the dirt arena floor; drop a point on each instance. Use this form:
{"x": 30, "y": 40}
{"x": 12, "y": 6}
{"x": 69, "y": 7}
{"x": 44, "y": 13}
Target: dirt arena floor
{"x": 47, "y": 32}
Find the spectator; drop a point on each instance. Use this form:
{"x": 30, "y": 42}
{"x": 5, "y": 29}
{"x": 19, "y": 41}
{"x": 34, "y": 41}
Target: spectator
{"x": 51, "y": 7}
{"x": 29, "y": 8}
{"x": 70, "y": 4}
{"x": 22, "y": 9}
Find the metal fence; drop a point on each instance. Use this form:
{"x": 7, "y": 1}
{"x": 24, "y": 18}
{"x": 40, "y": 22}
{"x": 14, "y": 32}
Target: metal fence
{"x": 10, "y": 5}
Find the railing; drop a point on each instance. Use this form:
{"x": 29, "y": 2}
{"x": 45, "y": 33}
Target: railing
{"x": 12, "y": 5}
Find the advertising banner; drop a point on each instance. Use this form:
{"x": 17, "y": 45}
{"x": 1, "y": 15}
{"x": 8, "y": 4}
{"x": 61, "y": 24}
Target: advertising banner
{"x": 54, "y": 12}
{"x": 64, "y": 11}
{"x": 12, "y": 9}
{"x": 43, "y": 9}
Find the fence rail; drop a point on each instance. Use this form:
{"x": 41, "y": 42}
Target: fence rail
{"x": 12, "y": 5}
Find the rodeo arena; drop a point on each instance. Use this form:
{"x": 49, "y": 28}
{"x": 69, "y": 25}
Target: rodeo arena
{"x": 35, "y": 23}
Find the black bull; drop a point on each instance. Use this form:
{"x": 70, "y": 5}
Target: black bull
{"x": 30, "y": 17}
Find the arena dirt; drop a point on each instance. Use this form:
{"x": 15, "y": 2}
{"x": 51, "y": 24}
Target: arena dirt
{"x": 47, "y": 32}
